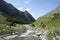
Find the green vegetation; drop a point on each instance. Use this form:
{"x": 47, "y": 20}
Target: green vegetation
{"x": 50, "y": 22}
{"x": 10, "y": 27}
{"x": 53, "y": 33}
{"x": 32, "y": 25}
{"x": 50, "y": 37}
{"x": 6, "y": 30}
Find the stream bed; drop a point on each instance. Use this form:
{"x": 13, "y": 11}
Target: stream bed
{"x": 32, "y": 33}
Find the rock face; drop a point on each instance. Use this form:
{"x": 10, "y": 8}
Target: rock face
{"x": 10, "y": 12}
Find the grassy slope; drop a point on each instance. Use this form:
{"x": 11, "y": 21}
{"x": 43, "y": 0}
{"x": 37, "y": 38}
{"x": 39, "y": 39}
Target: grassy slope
{"x": 51, "y": 22}
{"x": 48, "y": 21}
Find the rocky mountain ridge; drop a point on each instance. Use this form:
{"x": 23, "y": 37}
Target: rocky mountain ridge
{"x": 12, "y": 13}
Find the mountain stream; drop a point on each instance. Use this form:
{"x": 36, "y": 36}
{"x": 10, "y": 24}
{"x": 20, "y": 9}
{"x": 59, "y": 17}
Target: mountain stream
{"x": 32, "y": 33}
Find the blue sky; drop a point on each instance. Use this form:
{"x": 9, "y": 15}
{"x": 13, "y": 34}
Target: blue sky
{"x": 36, "y": 8}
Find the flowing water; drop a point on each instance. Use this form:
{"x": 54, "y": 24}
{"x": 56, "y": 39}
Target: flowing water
{"x": 32, "y": 33}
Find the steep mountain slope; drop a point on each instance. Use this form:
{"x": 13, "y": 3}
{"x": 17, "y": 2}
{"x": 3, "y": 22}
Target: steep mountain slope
{"x": 50, "y": 20}
{"x": 14, "y": 15}
{"x": 11, "y": 19}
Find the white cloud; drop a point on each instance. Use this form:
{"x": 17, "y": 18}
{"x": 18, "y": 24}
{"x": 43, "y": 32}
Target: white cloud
{"x": 27, "y": 2}
{"x": 21, "y": 9}
{"x": 28, "y": 9}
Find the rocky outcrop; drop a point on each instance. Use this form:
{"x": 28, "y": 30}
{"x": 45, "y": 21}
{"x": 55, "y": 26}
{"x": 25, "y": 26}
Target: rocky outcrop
{"x": 10, "y": 12}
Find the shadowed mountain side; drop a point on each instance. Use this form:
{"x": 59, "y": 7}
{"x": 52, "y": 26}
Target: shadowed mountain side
{"x": 13, "y": 14}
